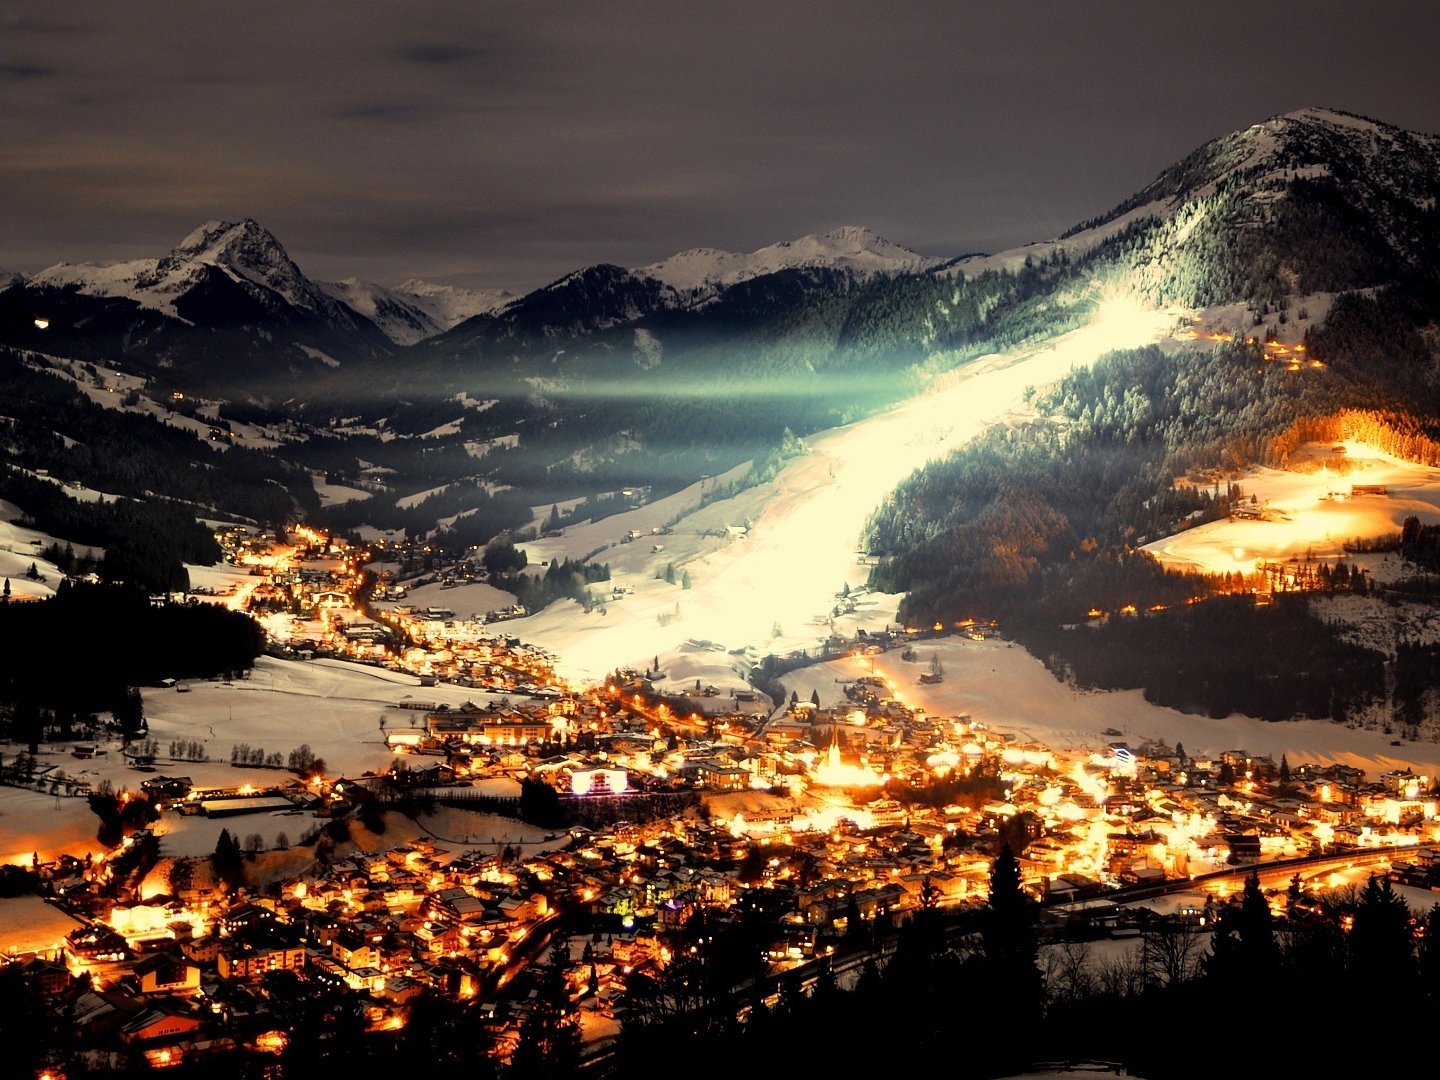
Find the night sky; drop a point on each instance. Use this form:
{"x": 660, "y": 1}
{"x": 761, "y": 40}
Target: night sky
{"x": 502, "y": 145}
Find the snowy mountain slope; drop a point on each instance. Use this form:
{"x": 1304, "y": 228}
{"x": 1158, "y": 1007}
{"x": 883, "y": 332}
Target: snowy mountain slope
{"x": 1312, "y": 201}
{"x": 1315, "y": 176}
{"x": 226, "y": 304}
{"x": 675, "y": 294}
{"x": 705, "y": 271}
{"x": 413, "y": 310}
{"x": 447, "y": 304}
{"x": 241, "y": 253}
{"x": 1305, "y": 144}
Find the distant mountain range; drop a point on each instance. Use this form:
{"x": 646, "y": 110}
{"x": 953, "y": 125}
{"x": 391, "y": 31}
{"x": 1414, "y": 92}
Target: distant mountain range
{"x": 230, "y": 288}
{"x": 414, "y": 310}
{"x": 1305, "y": 209}
{"x": 1312, "y": 201}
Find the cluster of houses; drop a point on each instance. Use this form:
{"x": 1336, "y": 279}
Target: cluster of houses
{"x": 820, "y": 820}
{"x": 314, "y": 578}
{"x": 187, "y": 975}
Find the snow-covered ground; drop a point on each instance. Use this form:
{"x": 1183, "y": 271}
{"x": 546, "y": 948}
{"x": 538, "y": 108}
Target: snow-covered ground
{"x": 19, "y": 550}
{"x": 334, "y": 707}
{"x": 1002, "y": 686}
{"x": 1309, "y": 510}
{"x": 765, "y": 566}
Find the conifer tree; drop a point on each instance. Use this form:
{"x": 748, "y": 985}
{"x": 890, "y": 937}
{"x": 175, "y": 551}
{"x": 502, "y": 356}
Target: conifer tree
{"x": 1011, "y": 976}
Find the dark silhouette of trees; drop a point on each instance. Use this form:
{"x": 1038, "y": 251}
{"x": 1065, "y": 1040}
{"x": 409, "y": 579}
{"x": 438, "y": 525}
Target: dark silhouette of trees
{"x": 228, "y": 861}
{"x": 27, "y": 1028}
{"x": 1381, "y": 944}
{"x": 85, "y": 648}
{"x": 1428, "y": 960}
{"x": 1010, "y": 948}
{"x": 549, "y": 1041}
{"x": 1243, "y": 950}
{"x": 540, "y": 804}
{"x": 445, "y": 1034}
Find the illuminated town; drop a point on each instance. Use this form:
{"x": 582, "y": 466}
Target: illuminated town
{"x": 863, "y": 811}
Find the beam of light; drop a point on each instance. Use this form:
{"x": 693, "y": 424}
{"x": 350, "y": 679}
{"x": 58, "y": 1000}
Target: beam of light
{"x": 802, "y": 544}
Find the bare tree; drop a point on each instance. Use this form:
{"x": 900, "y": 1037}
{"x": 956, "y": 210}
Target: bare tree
{"x": 1069, "y": 975}
{"x": 1170, "y": 951}
{"x": 1120, "y": 976}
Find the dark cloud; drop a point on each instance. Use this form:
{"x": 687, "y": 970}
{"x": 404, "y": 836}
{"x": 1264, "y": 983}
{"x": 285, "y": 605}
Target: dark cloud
{"x": 436, "y": 53}
{"x": 25, "y": 71}
{"x": 503, "y": 145}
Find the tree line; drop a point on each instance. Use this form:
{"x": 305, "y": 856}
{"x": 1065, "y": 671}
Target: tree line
{"x": 87, "y": 647}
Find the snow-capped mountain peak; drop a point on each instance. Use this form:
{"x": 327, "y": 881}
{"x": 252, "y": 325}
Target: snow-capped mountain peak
{"x": 851, "y": 247}
{"x": 450, "y": 304}
{"x": 244, "y": 251}
{"x": 414, "y": 309}
{"x": 1308, "y": 142}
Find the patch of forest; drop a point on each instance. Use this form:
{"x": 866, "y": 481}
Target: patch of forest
{"x": 55, "y": 427}
{"x": 1226, "y": 655}
{"x": 146, "y": 544}
{"x": 85, "y": 649}
{"x": 1038, "y": 524}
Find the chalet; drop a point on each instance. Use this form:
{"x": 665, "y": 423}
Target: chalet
{"x": 245, "y": 917}
{"x": 598, "y": 781}
{"x": 354, "y": 950}
{"x": 45, "y": 978}
{"x": 319, "y": 928}
{"x": 166, "y": 787}
{"x": 709, "y": 773}
{"x": 1404, "y": 782}
{"x": 97, "y": 950}
{"x": 202, "y": 950}
{"x": 166, "y": 973}
{"x": 453, "y": 905}
{"x": 438, "y": 938}
{"x": 1142, "y": 875}
{"x": 1244, "y": 847}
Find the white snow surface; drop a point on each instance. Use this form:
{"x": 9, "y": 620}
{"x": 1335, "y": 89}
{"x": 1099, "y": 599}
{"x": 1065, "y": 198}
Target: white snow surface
{"x": 242, "y": 250}
{"x": 449, "y": 304}
{"x": 414, "y": 310}
{"x": 848, "y": 248}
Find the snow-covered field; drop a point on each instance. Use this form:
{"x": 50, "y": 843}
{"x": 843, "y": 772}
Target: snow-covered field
{"x": 19, "y": 550}
{"x": 1310, "y": 510}
{"x": 335, "y": 708}
{"x": 1004, "y": 687}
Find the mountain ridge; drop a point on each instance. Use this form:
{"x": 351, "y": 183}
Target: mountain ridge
{"x": 1311, "y": 202}
{"x": 609, "y": 378}
{"x": 703, "y": 271}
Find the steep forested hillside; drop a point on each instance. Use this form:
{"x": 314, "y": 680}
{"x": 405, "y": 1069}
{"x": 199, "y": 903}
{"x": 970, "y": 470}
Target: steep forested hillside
{"x": 1036, "y": 525}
